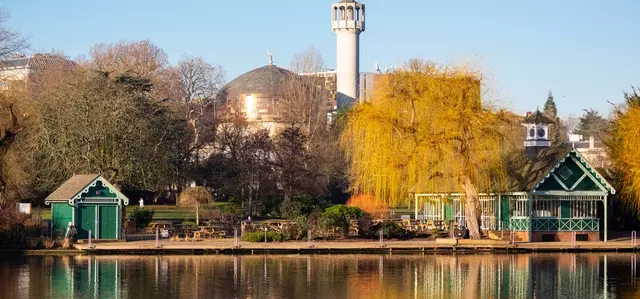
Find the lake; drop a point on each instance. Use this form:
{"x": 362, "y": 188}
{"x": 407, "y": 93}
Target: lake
{"x": 588, "y": 275}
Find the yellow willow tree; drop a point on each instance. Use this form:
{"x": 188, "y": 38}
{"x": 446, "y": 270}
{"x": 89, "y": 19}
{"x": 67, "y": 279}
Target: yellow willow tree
{"x": 624, "y": 149}
{"x": 425, "y": 131}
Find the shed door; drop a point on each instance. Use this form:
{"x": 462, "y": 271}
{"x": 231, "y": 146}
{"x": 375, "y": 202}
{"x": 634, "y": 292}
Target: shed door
{"x": 86, "y": 221}
{"x": 108, "y": 222}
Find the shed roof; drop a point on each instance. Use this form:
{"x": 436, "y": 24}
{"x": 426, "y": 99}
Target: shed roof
{"x": 78, "y": 184}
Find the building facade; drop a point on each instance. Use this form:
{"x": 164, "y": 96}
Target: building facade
{"x": 91, "y": 204}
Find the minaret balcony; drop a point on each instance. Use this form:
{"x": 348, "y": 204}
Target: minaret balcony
{"x": 537, "y": 143}
{"x": 348, "y": 25}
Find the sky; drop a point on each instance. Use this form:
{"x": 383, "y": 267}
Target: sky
{"x": 584, "y": 51}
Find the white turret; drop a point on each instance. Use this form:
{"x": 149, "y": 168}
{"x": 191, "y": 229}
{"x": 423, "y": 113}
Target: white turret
{"x": 347, "y": 21}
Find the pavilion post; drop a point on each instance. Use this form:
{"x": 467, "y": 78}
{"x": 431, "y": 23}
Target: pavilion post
{"x": 416, "y": 207}
{"x": 606, "y": 219}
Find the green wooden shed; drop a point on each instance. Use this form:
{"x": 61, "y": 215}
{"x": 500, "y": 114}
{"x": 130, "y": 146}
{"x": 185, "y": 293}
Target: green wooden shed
{"x": 91, "y": 203}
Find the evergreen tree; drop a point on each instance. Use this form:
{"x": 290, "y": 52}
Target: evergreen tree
{"x": 558, "y": 130}
{"x": 550, "y": 109}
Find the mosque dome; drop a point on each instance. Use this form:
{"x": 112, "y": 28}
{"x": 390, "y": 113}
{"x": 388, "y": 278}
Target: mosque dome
{"x": 264, "y": 80}
{"x": 255, "y": 95}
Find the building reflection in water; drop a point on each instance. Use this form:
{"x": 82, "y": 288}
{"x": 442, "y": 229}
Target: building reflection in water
{"x": 322, "y": 276}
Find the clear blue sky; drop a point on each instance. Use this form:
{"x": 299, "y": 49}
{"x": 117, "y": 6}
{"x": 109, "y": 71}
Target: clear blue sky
{"x": 585, "y": 51}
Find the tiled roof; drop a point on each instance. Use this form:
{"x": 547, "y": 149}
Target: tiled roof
{"x": 39, "y": 61}
{"x": 72, "y": 186}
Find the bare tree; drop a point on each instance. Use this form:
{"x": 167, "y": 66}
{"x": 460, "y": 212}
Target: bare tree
{"x": 199, "y": 82}
{"x": 138, "y": 58}
{"x": 307, "y": 61}
{"x": 11, "y": 42}
{"x": 305, "y": 103}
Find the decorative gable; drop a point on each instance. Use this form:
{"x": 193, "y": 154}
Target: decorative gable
{"x": 573, "y": 173}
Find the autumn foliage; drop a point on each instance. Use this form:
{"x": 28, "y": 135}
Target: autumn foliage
{"x": 624, "y": 149}
{"x": 369, "y": 204}
{"x": 425, "y": 131}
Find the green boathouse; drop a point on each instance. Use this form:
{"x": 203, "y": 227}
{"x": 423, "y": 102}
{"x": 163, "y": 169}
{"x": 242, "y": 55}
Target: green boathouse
{"x": 89, "y": 202}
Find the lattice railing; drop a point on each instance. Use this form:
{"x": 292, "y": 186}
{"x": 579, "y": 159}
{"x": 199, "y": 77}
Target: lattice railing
{"x": 566, "y": 224}
{"x": 516, "y": 224}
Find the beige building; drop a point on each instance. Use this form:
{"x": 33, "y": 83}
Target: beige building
{"x": 17, "y": 70}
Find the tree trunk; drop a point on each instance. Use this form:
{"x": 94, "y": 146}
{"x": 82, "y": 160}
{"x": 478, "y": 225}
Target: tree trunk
{"x": 472, "y": 208}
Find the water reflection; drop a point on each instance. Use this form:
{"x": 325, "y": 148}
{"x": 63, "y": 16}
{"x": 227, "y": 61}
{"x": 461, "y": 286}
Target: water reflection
{"x": 322, "y": 276}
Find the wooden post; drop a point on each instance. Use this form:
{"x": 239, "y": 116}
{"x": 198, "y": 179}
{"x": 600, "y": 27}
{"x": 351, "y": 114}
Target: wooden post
{"x": 606, "y": 219}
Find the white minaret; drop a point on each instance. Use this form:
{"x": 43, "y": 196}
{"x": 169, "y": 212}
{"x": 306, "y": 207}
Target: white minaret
{"x": 347, "y": 21}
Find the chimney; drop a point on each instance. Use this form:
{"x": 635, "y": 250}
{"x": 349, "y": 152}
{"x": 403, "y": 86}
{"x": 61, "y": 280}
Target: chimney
{"x": 592, "y": 142}
{"x": 529, "y": 113}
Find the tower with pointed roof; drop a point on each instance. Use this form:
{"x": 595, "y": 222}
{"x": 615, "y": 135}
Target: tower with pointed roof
{"x": 347, "y": 21}
{"x": 537, "y": 138}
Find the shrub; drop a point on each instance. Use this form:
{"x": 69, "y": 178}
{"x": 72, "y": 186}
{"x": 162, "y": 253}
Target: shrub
{"x": 274, "y": 236}
{"x": 141, "y": 216}
{"x": 365, "y": 224}
{"x": 33, "y": 242}
{"x": 330, "y": 222}
{"x": 48, "y": 243}
{"x": 253, "y": 237}
{"x": 345, "y": 211}
{"x": 390, "y": 229}
{"x": 293, "y": 232}
{"x": 189, "y": 224}
{"x": 301, "y": 205}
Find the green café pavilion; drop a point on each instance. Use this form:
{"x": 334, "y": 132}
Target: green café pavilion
{"x": 89, "y": 202}
{"x": 563, "y": 198}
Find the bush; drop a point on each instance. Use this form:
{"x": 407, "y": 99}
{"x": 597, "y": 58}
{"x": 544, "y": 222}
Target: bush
{"x": 189, "y": 224}
{"x": 390, "y": 229}
{"x": 365, "y": 224}
{"x": 48, "y": 243}
{"x": 301, "y": 205}
{"x": 345, "y": 211}
{"x": 330, "y": 222}
{"x": 253, "y": 237}
{"x": 294, "y": 232}
{"x": 141, "y": 216}
{"x": 33, "y": 242}
{"x": 272, "y": 236}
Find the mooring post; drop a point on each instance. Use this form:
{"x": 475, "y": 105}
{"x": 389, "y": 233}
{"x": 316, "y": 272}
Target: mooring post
{"x": 265, "y": 234}
{"x": 633, "y": 239}
{"x": 157, "y": 237}
{"x": 573, "y": 239}
{"x": 235, "y": 238}
{"x": 90, "y": 246}
{"x": 381, "y": 233}
{"x": 309, "y": 239}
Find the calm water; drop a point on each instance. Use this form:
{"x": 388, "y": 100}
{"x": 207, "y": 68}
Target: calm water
{"x": 322, "y": 276}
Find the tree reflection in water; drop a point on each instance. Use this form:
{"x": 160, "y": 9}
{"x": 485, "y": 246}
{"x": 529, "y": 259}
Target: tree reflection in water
{"x": 582, "y": 276}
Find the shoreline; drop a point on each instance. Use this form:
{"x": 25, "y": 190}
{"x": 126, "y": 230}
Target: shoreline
{"x": 226, "y": 247}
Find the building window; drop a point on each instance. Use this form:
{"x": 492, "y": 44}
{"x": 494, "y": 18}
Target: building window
{"x": 546, "y": 208}
{"x": 565, "y": 172}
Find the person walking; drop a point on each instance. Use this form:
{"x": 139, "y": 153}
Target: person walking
{"x": 69, "y": 236}
{"x": 141, "y": 202}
